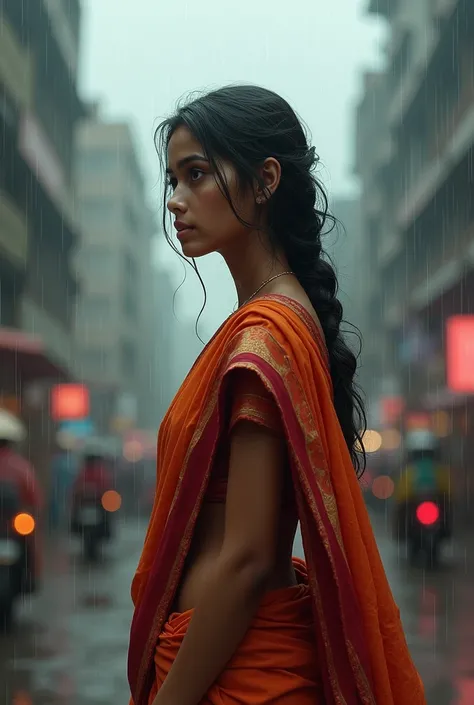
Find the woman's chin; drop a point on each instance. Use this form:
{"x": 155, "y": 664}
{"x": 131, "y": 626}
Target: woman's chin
{"x": 194, "y": 249}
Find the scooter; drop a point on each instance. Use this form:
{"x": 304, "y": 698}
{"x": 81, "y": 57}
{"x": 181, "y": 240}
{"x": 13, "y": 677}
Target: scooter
{"x": 17, "y": 575}
{"x": 427, "y": 527}
{"x": 91, "y": 521}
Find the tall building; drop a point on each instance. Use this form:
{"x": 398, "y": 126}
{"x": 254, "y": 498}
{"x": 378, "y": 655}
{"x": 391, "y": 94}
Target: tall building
{"x": 415, "y": 151}
{"x": 114, "y": 321}
{"x": 39, "y": 107}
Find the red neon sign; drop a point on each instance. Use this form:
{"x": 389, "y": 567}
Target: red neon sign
{"x": 69, "y": 402}
{"x": 460, "y": 353}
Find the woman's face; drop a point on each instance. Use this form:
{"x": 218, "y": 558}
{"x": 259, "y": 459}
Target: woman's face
{"x": 204, "y": 219}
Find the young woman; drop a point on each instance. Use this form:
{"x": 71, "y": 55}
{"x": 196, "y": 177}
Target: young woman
{"x": 262, "y": 434}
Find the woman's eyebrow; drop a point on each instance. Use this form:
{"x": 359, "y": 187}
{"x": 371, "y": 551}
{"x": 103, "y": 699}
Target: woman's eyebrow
{"x": 185, "y": 160}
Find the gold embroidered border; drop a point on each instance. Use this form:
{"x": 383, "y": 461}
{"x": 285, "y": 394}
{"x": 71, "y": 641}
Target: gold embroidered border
{"x": 259, "y": 341}
{"x": 362, "y": 681}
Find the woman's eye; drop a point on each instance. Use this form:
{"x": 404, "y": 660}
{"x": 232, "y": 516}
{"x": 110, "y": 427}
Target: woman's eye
{"x": 172, "y": 183}
{"x": 195, "y": 174}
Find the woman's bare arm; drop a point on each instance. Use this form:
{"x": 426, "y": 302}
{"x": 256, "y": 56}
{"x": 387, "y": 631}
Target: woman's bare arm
{"x": 237, "y": 583}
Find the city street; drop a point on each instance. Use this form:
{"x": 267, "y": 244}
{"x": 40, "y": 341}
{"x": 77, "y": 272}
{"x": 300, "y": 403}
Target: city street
{"x": 71, "y": 642}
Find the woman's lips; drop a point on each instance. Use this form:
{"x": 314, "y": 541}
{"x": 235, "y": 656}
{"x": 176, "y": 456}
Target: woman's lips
{"x": 184, "y": 232}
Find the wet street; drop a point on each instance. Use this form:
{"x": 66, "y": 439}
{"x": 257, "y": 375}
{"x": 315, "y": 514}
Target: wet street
{"x": 71, "y": 641}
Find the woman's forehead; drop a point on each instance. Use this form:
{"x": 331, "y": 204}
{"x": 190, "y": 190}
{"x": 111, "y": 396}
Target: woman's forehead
{"x": 182, "y": 143}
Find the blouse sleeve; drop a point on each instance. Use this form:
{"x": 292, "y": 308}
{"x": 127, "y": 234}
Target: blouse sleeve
{"x": 250, "y": 401}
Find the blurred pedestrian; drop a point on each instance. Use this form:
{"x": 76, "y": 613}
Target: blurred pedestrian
{"x": 64, "y": 469}
{"x": 14, "y": 468}
{"x": 94, "y": 469}
{"x": 262, "y": 434}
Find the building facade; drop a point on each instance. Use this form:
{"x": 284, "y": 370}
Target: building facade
{"x": 415, "y": 155}
{"x": 39, "y": 107}
{"x": 114, "y": 321}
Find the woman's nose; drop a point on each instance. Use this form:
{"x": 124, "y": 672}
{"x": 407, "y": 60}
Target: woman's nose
{"x": 176, "y": 203}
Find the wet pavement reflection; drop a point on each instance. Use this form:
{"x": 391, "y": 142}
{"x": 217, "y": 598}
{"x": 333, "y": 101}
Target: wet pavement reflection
{"x": 70, "y": 644}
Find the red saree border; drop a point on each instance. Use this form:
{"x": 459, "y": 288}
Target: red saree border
{"x": 312, "y": 324}
{"x": 340, "y": 637}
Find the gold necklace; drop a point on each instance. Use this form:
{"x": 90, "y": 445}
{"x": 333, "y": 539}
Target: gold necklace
{"x": 257, "y": 291}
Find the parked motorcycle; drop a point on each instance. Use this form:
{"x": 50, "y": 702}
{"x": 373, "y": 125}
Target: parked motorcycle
{"x": 92, "y": 521}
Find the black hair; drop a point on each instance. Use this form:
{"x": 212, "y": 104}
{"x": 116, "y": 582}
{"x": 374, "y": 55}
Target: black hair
{"x": 244, "y": 125}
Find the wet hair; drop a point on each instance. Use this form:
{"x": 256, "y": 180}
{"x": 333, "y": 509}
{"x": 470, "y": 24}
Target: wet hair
{"x": 244, "y": 125}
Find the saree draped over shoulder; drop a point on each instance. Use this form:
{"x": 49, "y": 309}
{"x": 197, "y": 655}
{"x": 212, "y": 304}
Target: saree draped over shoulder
{"x": 361, "y": 651}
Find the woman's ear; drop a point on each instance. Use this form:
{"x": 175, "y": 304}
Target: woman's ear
{"x": 270, "y": 173}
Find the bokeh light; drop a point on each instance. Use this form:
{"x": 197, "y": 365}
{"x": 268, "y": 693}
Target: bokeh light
{"x": 111, "y": 501}
{"x": 391, "y": 439}
{"x": 372, "y": 441}
{"x": 441, "y": 424}
{"x": 383, "y": 487}
{"x": 427, "y": 513}
{"x": 133, "y": 451}
{"x": 66, "y": 440}
{"x": 24, "y": 524}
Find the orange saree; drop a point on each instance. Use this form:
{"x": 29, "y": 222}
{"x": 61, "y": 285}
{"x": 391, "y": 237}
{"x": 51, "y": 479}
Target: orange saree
{"x": 361, "y": 650}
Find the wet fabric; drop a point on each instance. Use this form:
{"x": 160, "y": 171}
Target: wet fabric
{"x": 275, "y": 663}
{"x": 362, "y": 654}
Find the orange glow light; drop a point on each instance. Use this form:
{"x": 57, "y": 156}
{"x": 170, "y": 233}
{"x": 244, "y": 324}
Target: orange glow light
{"x": 133, "y": 451}
{"x": 111, "y": 501}
{"x": 391, "y": 439}
{"x": 372, "y": 441}
{"x": 24, "y": 524}
{"x": 383, "y": 487}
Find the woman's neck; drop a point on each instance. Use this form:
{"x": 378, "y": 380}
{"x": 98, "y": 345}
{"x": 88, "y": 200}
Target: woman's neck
{"x": 252, "y": 264}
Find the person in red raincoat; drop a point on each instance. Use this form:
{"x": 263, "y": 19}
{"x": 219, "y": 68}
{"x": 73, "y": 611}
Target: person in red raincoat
{"x": 19, "y": 473}
{"x": 93, "y": 479}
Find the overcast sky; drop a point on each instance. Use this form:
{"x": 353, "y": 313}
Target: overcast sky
{"x": 141, "y": 56}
